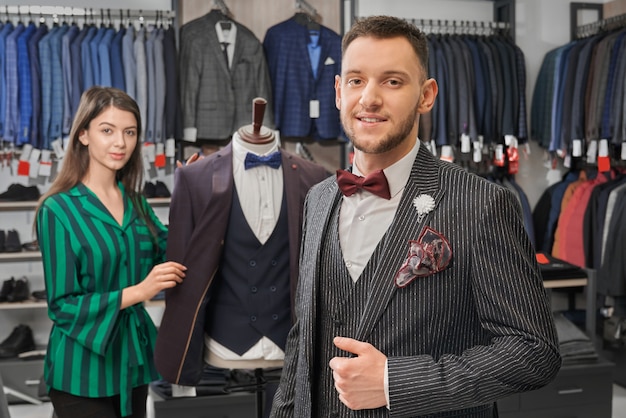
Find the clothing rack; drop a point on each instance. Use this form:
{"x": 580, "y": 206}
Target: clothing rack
{"x": 461, "y": 27}
{"x": 604, "y": 25}
{"x": 56, "y": 13}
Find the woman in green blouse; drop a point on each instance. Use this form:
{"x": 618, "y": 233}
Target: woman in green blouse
{"x": 103, "y": 253}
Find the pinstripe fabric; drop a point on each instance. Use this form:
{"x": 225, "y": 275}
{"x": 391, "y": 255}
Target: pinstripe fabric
{"x": 95, "y": 349}
{"x": 458, "y": 340}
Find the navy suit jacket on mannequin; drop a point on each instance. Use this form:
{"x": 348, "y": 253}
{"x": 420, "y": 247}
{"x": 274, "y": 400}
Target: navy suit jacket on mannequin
{"x": 198, "y": 216}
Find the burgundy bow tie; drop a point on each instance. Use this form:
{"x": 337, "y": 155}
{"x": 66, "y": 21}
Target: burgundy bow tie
{"x": 375, "y": 183}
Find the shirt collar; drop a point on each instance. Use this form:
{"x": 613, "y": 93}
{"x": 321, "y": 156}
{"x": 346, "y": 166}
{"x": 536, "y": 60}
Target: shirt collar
{"x": 398, "y": 173}
{"x": 241, "y": 148}
{"x": 229, "y": 36}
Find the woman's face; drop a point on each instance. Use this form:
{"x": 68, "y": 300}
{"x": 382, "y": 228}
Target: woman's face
{"x": 110, "y": 139}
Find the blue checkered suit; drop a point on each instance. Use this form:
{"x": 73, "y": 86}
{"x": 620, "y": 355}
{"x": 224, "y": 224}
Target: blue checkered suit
{"x": 293, "y": 83}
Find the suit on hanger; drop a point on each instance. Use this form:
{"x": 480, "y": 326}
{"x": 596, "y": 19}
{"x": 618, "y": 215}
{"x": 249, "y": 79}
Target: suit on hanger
{"x": 294, "y": 84}
{"x": 434, "y": 340}
{"x": 202, "y": 198}
{"x": 215, "y": 99}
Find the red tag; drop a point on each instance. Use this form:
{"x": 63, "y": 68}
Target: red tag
{"x": 23, "y": 168}
{"x": 542, "y": 259}
{"x": 604, "y": 164}
{"x": 159, "y": 160}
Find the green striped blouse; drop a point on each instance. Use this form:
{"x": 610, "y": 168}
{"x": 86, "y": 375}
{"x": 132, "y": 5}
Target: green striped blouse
{"x": 96, "y": 350}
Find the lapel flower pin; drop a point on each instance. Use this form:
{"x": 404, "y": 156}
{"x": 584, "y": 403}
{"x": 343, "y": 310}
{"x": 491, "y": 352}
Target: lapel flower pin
{"x": 424, "y": 203}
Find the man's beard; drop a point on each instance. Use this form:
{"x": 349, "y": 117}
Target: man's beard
{"x": 390, "y": 141}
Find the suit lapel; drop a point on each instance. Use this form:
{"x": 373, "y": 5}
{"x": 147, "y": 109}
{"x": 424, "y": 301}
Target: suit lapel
{"x": 218, "y": 197}
{"x": 405, "y": 227}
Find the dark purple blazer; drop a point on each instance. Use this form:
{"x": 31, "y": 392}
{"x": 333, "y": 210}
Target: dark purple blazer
{"x": 198, "y": 217}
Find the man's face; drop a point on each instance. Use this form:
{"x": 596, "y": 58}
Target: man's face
{"x": 380, "y": 94}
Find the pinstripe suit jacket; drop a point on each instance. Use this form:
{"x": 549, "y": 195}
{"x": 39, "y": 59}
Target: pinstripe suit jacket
{"x": 198, "y": 219}
{"x": 480, "y": 330}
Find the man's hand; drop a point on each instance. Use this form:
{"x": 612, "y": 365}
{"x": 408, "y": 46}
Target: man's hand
{"x": 359, "y": 380}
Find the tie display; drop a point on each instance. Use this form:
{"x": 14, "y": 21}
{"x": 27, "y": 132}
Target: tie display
{"x": 375, "y": 183}
{"x": 272, "y": 160}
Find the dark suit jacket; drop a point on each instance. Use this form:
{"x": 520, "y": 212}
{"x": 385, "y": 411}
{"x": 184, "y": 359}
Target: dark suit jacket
{"x": 198, "y": 217}
{"x": 477, "y": 331}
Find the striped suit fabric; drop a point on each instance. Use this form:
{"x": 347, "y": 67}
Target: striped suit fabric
{"x": 457, "y": 340}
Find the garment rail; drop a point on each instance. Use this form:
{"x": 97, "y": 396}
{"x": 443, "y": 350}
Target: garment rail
{"x": 604, "y": 25}
{"x": 461, "y": 27}
{"x": 57, "y": 13}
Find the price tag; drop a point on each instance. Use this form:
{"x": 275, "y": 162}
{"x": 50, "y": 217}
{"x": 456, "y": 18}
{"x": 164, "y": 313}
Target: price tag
{"x": 314, "y": 109}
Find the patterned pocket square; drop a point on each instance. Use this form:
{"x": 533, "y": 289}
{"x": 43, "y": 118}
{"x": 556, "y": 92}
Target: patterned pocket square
{"x": 428, "y": 255}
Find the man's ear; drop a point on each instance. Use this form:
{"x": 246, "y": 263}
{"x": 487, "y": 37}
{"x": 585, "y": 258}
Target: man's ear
{"x": 338, "y": 92}
{"x": 429, "y": 93}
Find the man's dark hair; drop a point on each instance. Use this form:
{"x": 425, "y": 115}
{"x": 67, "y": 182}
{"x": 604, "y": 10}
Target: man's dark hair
{"x": 384, "y": 27}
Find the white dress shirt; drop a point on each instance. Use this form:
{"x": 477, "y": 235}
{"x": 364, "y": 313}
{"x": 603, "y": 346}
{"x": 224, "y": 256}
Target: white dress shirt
{"x": 364, "y": 217}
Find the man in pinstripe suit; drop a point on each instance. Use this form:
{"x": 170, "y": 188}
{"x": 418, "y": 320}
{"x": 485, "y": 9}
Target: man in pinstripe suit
{"x": 385, "y": 325}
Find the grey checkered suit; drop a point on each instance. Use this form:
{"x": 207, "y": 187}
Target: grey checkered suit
{"x": 216, "y": 101}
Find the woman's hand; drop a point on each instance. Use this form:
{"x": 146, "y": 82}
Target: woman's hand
{"x": 162, "y": 276}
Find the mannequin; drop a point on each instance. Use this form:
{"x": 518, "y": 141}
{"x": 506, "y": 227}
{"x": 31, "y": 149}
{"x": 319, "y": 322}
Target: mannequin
{"x": 237, "y": 225}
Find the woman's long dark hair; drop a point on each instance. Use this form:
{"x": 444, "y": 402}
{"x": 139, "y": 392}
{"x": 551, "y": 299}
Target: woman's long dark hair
{"x": 94, "y": 101}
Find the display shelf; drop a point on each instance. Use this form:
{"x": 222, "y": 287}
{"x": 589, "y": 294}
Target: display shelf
{"x": 15, "y": 206}
{"x": 22, "y": 256}
{"x": 27, "y": 304}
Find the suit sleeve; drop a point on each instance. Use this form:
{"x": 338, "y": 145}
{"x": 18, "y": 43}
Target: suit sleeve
{"x": 512, "y": 307}
{"x": 181, "y": 218}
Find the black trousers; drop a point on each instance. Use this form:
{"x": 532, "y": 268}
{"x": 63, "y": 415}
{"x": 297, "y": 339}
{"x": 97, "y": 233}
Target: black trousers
{"x": 71, "y": 406}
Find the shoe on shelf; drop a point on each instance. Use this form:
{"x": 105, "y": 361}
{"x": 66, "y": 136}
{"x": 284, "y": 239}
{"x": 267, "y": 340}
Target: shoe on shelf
{"x": 12, "y": 242}
{"x": 31, "y": 246}
{"x": 7, "y": 288}
{"x": 19, "y": 341}
{"x": 161, "y": 190}
{"x": 21, "y": 291}
{"x": 149, "y": 190}
{"x": 19, "y": 193}
{"x": 39, "y": 294}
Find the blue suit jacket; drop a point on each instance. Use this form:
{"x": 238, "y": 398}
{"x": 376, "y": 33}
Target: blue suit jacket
{"x": 293, "y": 82}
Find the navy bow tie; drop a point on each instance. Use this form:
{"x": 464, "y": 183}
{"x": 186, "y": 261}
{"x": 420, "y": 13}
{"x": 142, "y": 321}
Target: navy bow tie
{"x": 272, "y": 160}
